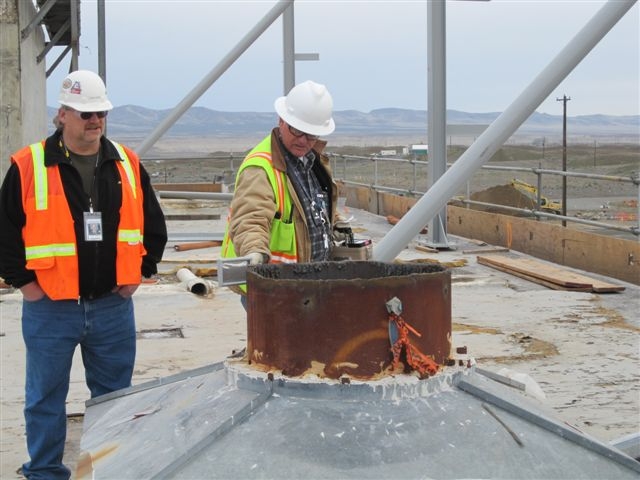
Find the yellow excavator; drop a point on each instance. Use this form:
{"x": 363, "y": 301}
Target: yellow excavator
{"x": 546, "y": 205}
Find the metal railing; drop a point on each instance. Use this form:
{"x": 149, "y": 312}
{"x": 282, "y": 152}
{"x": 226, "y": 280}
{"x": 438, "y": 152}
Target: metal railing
{"x": 402, "y": 176}
{"x": 352, "y": 165}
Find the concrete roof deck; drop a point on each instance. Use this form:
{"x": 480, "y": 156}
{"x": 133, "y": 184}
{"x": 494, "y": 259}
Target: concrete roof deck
{"x": 580, "y": 348}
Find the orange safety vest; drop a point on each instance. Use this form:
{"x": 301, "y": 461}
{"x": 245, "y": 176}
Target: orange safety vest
{"x": 49, "y": 234}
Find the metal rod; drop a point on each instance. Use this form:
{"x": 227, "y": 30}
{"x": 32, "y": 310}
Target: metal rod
{"x": 195, "y": 195}
{"x": 75, "y": 33}
{"x": 500, "y": 130}
{"x": 53, "y": 42}
{"x": 554, "y": 216}
{"x": 213, "y": 75}
{"x": 437, "y": 112}
{"x": 58, "y": 60}
{"x": 289, "y": 49}
{"x": 37, "y": 18}
{"x": 564, "y": 101}
{"x": 102, "y": 44}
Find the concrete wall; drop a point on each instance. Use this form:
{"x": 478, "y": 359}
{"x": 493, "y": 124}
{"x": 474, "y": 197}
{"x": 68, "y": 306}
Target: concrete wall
{"x": 610, "y": 256}
{"x": 23, "y": 105}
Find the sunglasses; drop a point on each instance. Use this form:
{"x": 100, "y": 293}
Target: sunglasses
{"x": 88, "y": 115}
{"x": 298, "y": 133}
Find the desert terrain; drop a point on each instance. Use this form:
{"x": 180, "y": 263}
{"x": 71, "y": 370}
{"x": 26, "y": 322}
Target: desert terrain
{"x": 357, "y": 159}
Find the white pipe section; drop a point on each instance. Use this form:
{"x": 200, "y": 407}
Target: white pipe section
{"x": 194, "y": 284}
{"x": 214, "y": 74}
{"x": 500, "y": 130}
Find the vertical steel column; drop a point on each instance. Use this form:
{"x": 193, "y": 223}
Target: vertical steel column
{"x": 75, "y": 33}
{"x": 437, "y": 112}
{"x": 289, "y": 49}
{"x": 102, "y": 45}
{"x": 564, "y": 101}
{"x": 102, "y": 49}
{"x": 500, "y": 130}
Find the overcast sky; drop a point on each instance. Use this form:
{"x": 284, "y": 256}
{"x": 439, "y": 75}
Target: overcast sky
{"x": 373, "y": 54}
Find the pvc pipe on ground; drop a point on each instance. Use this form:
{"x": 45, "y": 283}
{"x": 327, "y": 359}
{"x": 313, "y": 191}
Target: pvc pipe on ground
{"x": 194, "y": 284}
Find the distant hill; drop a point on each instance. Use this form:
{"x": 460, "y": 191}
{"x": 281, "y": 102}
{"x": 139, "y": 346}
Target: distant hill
{"x": 136, "y": 121}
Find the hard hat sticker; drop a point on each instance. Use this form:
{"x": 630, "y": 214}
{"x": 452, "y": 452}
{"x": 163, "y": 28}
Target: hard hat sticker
{"x": 76, "y": 88}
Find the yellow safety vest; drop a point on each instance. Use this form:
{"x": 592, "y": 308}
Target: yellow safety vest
{"x": 282, "y": 242}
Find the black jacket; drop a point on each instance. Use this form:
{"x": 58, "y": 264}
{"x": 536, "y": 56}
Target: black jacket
{"x": 96, "y": 259}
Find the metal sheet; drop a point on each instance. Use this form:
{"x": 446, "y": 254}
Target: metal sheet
{"x": 239, "y": 423}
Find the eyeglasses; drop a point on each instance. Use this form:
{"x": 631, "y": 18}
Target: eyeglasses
{"x": 87, "y": 115}
{"x": 299, "y": 133}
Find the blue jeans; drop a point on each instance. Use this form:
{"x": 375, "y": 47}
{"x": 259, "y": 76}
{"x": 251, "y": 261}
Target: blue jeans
{"x": 105, "y": 330}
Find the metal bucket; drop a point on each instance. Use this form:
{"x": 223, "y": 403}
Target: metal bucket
{"x": 330, "y": 318}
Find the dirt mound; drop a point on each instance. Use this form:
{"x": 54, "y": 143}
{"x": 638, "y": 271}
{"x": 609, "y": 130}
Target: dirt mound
{"x": 502, "y": 195}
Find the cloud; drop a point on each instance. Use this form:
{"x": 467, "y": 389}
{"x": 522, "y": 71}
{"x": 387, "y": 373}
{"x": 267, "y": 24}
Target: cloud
{"x": 373, "y": 54}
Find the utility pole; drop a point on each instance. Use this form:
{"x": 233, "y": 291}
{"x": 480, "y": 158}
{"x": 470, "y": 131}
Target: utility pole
{"x": 564, "y": 101}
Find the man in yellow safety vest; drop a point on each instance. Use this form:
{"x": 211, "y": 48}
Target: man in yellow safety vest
{"x": 284, "y": 204}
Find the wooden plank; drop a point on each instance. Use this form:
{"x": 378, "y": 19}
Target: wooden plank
{"x": 549, "y": 273}
{"x": 485, "y": 250}
{"x": 424, "y": 248}
{"x": 537, "y": 269}
{"x": 539, "y": 281}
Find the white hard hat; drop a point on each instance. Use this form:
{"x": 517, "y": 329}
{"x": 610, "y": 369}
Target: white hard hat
{"x": 307, "y": 107}
{"x": 84, "y": 91}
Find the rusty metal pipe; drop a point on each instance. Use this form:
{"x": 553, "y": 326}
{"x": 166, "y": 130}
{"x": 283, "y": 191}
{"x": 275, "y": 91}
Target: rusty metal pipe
{"x": 330, "y": 318}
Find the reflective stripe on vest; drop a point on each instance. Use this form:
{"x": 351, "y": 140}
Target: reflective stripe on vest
{"x": 52, "y": 250}
{"x": 279, "y": 191}
{"x": 127, "y": 168}
{"x": 129, "y": 236}
{"x": 39, "y": 176}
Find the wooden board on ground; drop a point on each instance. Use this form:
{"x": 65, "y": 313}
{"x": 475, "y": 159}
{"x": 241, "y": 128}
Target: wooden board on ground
{"x": 485, "y": 250}
{"x": 548, "y": 275}
{"x": 539, "y": 281}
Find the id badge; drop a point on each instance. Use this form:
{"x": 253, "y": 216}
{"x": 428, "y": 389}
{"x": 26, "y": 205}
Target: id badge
{"x": 93, "y": 226}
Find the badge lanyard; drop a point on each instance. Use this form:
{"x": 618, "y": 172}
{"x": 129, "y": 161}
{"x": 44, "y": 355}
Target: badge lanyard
{"x": 92, "y": 220}
{"x": 319, "y": 213}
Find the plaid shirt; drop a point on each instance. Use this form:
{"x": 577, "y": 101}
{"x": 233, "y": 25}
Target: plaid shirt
{"x": 315, "y": 201}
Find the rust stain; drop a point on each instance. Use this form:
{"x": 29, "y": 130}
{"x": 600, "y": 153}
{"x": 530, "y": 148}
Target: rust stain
{"x": 355, "y": 343}
{"x": 614, "y": 319}
{"x": 84, "y": 466}
{"x": 256, "y": 355}
{"x": 317, "y": 368}
{"x": 457, "y": 327}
